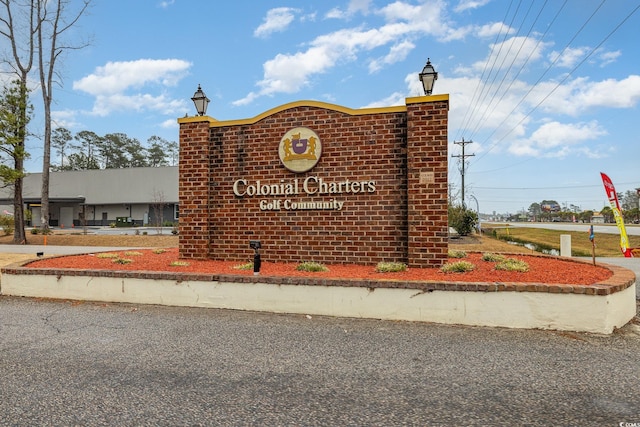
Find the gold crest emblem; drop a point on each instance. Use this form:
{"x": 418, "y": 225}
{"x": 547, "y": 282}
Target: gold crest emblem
{"x": 300, "y": 149}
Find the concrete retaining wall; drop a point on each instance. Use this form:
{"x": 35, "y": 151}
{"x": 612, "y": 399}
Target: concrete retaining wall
{"x": 514, "y": 308}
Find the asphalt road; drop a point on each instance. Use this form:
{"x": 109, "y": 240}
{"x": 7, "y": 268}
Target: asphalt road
{"x": 87, "y": 364}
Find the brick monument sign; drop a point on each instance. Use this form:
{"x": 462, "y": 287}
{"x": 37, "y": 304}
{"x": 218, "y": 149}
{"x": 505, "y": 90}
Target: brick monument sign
{"x": 318, "y": 182}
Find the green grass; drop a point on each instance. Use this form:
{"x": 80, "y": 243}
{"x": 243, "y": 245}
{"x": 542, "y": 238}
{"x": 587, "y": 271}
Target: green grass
{"x": 390, "y": 267}
{"x": 311, "y": 266}
{"x": 607, "y": 245}
{"x": 491, "y": 257}
{"x": 457, "y": 254}
{"x": 458, "y": 267}
{"x": 108, "y": 255}
{"x": 246, "y": 266}
{"x": 511, "y": 264}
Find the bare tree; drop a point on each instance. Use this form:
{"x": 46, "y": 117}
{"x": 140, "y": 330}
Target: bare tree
{"x": 158, "y": 202}
{"x": 18, "y": 26}
{"x": 51, "y": 23}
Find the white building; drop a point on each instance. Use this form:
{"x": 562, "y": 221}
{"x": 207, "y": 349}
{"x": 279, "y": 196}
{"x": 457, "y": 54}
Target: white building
{"x": 137, "y": 196}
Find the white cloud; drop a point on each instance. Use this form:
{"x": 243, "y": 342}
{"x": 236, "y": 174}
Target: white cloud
{"x": 569, "y": 57}
{"x": 335, "y": 13}
{"x": 361, "y": 6}
{"x": 396, "y": 98}
{"x": 64, "y": 119}
{"x": 397, "y": 53}
{"x": 513, "y": 52}
{"x": 470, "y": 4}
{"x": 607, "y": 58}
{"x": 277, "y": 20}
{"x": 112, "y": 84}
{"x": 106, "y": 104}
{"x": 355, "y": 6}
{"x": 490, "y": 30}
{"x": 289, "y": 73}
{"x": 555, "y": 139}
{"x": 169, "y": 124}
{"x": 116, "y": 77}
{"x": 579, "y": 95}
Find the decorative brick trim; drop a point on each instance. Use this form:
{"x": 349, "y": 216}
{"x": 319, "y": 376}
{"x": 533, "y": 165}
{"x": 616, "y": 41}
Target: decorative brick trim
{"x": 620, "y": 280}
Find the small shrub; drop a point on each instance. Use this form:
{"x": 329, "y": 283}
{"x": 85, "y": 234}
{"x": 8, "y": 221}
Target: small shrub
{"x": 159, "y": 251}
{"x": 179, "y": 264}
{"x": 112, "y": 225}
{"x": 108, "y": 255}
{"x": 311, "y": 266}
{"x": 246, "y": 266}
{"x": 458, "y": 267}
{"x": 511, "y": 264}
{"x": 457, "y": 254}
{"x": 488, "y": 256}
{"x": 462, "y": 220}
{"x": 7, "y": 224}
{"x": 122, "y": 261}
{"x": 133, "y": 253}
{"x": 390, "y": 267}
{"x": 35, "y": 231}
{"x": 144, "y": 233}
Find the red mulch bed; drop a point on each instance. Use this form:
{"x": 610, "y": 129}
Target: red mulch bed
{"x": 542, "y": 269}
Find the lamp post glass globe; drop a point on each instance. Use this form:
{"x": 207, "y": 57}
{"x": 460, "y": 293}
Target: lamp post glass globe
{"x": 201, "y": 101}
{"x": 428, "y": 76}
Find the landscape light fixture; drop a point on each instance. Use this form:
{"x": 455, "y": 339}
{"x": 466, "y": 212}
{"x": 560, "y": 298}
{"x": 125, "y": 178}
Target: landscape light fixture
{"x": 256, "y": 245}
{"x": 201, "y": 101}
{"x": 428, "y": 76}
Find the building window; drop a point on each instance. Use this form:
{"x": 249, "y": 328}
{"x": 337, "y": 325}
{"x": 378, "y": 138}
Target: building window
{"x": 176, "y": 211}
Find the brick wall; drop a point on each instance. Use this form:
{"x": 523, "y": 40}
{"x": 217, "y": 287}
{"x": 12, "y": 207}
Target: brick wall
{"x": 401, "y": 150}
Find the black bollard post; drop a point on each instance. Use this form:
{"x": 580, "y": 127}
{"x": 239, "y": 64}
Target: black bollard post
{"x": 256, "y": 263}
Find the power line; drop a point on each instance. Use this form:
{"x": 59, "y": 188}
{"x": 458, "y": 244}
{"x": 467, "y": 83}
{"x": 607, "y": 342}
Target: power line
{"x": 552, "y": 188}
{"x": 558, "y": 57}
{"x": 480, "y": 87}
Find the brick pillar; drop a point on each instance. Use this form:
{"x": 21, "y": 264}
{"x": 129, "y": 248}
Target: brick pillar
{"x": 427, "y": 184}
{"x": 193, "y": 188}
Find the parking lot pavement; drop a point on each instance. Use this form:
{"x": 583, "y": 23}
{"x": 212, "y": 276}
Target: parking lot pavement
{"x": 71, "y": 363}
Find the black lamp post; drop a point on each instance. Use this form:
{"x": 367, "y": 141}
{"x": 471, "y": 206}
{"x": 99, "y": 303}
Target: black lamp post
{"x": 428, "y": 76}
{"x": 201, "y": 101}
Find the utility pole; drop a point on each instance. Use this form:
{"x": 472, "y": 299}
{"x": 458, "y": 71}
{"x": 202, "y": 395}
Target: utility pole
{"x": 463, "y": 159}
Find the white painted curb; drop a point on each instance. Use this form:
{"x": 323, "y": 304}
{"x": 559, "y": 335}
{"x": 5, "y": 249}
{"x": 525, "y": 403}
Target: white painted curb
{"x": 510, "y": 309}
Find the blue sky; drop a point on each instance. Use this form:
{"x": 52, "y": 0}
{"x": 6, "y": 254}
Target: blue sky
{"x": 548, "y": 91}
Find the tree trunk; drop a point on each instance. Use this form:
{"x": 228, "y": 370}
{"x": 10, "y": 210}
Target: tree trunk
{"x": 19, "y": 235}
{"x": 46, "y": 164}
